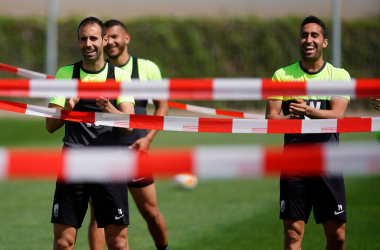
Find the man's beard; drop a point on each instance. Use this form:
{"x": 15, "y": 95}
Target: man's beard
{"x": 121, "y": 50}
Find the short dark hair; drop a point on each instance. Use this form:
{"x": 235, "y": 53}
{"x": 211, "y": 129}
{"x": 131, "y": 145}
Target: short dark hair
{"x": 113, "y": 22}
{"x": 314, "y": 19}
{"x": 92, "y": 20}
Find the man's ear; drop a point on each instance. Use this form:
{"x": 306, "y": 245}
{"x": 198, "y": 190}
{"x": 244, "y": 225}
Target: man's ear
{"x": 105, "y": 40}
{"x": 127, "y": 38}
{"x": 325, "y": 43}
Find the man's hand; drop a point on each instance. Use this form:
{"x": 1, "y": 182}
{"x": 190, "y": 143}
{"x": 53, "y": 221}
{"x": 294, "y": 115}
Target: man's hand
{"x": 298, "y": 110}
{"x": 141, "y": 144}
{"x": 376, "y": 102}
{"x": 70, "y": 103}
{"x": 105, "y": 105}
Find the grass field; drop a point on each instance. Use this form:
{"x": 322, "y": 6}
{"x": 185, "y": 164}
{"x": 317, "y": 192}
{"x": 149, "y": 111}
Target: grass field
{"x": 238, "y": 214}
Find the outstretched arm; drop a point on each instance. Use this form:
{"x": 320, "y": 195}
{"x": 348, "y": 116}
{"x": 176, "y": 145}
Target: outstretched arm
{"x": 53, "y": 124}
{"x": 143, "y": 144}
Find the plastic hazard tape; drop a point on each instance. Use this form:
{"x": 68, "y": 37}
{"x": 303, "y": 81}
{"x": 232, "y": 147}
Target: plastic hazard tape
{"x": 23, "y": 72}
{"x": 230, "y": 162}
{"x": 190, "y": 89}
{"x": 211, "y": 111}
{"x": 176, "y": 105}
{"x": 195, "y": 124}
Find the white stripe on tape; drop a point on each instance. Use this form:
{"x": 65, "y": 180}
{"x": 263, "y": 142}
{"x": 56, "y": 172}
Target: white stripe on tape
{"x": 173, "y": 123}
{"x": 375, "y": 126}
{"x": 157, "y": 90}
{"x": 237, "y": 89}
{"x": 353, "y": 159}
{"x": 319, "y": 126}
{"x": 43, "y": 111}
{"x": 50, "y": 88}
{"x": 3, "y": 163}
{"x": 249, "y": 126}
{"x": 30, "y": 74}
{"x": 99, "y": 165}
{"x": 113, "y": 120}
{"x": 202, "y": 110}
{"x": 323, "y": 88}
{"x": 228, "y": 162}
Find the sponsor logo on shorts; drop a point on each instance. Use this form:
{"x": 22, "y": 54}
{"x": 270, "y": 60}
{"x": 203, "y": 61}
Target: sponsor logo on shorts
{"x": 282, "y": 206}
{"x": 336, "y": 213}
{"x": 340, "y": 210}
{"x": 136, "y": 180}
{"x": 120, "y": 214}
{"x": 55, "y": 210}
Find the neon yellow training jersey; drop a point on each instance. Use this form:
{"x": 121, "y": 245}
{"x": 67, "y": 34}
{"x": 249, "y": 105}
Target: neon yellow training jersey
{"x": 296, "y": 72}
{"x": 92, "y": 76}
{"x": 147, "y": 70}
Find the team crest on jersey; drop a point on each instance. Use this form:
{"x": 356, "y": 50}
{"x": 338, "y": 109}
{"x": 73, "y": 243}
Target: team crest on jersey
{"x": 282, "y": 206}
{"x": 56, "y": 207}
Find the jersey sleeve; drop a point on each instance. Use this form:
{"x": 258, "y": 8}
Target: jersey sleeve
{"x": 276, "y": 78}
{"x": 343, "y": 75}
{"x": 123, "y": 76}
{"x": 59, "y": 99}
{"x": 154, "y": 72}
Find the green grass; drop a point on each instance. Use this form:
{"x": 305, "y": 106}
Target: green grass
{"x": 238, "y": 214}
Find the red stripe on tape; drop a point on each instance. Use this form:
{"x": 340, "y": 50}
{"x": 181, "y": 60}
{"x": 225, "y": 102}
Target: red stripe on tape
{"x": 229, "y": 113}
{"x": 284, "y": 126}
{"x": 191, "y": 88}
{"x": 14, "y": 87}
{"x": 354, "y": 125}
{"x": 271, "y": 88}
{"x": 13, "y": 106}
{"x": 109, "y": 89}
{"x": 8, "y": 68}
{"x": 305, "y": 159}
{"x": 217, "y": 125}
{"x": 167, "y": 162}
{"x": 78, "y": 116}
{"x": 177, "y": 105}
{"x": 26, "y": 163}
{"x": 146, "y": 122}
{"x": 367, "y": 88}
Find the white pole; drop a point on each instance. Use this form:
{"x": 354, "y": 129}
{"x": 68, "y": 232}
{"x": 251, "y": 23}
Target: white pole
{"x": 51, "y": 37}
{"x": 336, "y": 34}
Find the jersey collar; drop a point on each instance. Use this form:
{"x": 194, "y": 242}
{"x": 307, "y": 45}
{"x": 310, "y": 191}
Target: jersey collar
{"x": 312, "y": 73}
{"x": 92, "y": 72}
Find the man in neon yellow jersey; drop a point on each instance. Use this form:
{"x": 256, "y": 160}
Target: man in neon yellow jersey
{"x": 143, "y": 188}
{"x": 300, "y": 192}
{"x": 110, "y": 200}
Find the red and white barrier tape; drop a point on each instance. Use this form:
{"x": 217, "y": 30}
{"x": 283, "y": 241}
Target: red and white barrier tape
{"x": 211, "y": 111}
{"x": 195, "y": 124}
{"x": 176, "y": 105}
{"x": 191, "y": 89}
{"x": 229, "y": 162}
{"x": 23, "y": 72}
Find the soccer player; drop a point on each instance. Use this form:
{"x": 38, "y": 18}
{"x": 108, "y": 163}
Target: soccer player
{"x": 299, "y": 192}
{"x": 143, "y": 188}
{"x": 110, "y": 200}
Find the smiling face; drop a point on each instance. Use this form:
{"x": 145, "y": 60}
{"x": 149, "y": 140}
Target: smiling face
{"x": 311, "y": 42}
{"x": 91, "y": 42}
{"x": 118, "y": 39}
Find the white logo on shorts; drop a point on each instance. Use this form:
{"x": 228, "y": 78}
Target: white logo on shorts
{"x": 120, "y": 212}
{"x": 282, "y": 206}
{"x": 56, "y": 206}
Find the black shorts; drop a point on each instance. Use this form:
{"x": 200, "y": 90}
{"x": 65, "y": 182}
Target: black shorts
{"x": 325, "y": 194}
{"x": 142, "y": 180}
{"x": 110, "y": 201}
